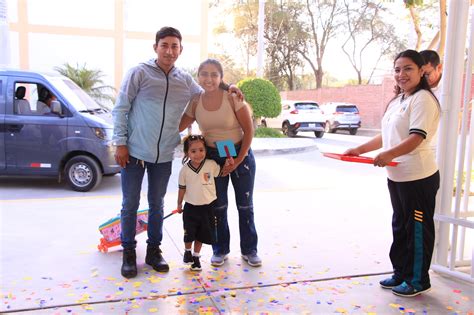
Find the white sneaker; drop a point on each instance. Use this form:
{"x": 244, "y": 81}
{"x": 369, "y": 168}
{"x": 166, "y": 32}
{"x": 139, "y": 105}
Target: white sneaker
{"x": 218, "y": 260}
{"x": 253, "y": 260}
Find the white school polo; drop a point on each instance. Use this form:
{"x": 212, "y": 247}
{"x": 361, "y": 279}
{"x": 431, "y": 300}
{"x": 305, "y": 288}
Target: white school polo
{"x": 417, "y": 113}
{"x": 199, "y": 182}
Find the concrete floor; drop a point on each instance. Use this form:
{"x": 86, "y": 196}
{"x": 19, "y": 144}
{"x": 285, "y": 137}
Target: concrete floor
{"x": 312, "y": 264}
{"x": 322, "y": 254}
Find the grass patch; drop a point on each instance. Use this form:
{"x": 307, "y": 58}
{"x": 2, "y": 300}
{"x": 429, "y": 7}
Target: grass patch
{"x": 264, "y": 132}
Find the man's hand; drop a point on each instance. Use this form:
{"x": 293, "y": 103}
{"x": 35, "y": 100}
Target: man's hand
{"x": 121, "y": 155}
{"x": 234, "y": 89}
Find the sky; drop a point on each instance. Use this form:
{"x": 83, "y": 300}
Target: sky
{"x": 95, "y": 51}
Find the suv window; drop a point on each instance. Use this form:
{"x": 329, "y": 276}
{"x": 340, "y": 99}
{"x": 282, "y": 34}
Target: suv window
{"x": 347, "y": 109}
{"x": 306, "y": 106}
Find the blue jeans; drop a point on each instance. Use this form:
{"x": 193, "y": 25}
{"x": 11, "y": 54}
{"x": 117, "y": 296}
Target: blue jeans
{"x": 132, "y": 177}
{"x": 243, "y": 178}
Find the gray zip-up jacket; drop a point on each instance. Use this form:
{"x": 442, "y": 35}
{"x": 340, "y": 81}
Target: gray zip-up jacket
{"x": 148, "y": 110}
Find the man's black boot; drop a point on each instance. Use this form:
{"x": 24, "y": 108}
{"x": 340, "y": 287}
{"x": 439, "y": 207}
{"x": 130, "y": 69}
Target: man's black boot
{"x": 154, "y": 259}
{"x": 129, "y": 264}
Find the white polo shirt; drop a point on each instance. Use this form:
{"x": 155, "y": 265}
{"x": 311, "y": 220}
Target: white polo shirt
{"x": 417, "y": 113}
{"x": 199, "y": 182}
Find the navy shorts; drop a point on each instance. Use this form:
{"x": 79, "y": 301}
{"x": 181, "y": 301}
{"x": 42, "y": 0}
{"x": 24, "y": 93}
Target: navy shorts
{"x": 199, "y": 223}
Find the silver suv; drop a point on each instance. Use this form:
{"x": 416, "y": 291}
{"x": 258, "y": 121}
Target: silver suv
{"x": 341, "y": 116}
{"x": 298, "y": 116}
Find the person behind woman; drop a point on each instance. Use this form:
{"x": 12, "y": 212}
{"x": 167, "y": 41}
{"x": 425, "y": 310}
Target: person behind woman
{"x": 408, "y": 126}
{"x": 221, "y": 116}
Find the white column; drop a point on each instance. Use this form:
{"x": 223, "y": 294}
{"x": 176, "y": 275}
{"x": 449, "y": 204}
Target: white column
{"x": 450, "y": 105}
{"x": 261, "y": 27}
{"x": 4, "y": 35}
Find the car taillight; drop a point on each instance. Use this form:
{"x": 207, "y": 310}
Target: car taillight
{"x": 339, "y": 113}
{"x": 294, "y": 111}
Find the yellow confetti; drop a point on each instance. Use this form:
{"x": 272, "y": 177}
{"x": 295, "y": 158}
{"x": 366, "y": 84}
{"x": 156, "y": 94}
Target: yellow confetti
{"x": 153, "y": 310}
{"x": 135, "y": 293}
{"x": 27, "y": 278}
{"x": 137, "y": 284}
{"x": 87, "y": 307}
{"x": 110, "y": 279}
{"x": 450, "y": 308}
{"x": 341, "y": 310}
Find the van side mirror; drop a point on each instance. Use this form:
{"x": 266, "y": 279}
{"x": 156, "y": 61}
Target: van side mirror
{"x": 56, "y": 108}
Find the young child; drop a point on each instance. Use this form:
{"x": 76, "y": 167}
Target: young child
{"x": 198, "y": 190}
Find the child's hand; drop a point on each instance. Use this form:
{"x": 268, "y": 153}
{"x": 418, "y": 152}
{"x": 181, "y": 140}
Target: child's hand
{"x": 180, "y": 209}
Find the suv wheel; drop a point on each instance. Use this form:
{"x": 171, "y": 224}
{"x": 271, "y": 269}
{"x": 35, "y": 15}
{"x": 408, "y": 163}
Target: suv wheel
{"x": 327, "y": 127}
{"x": 353, "y": 131}
{"x": 286, "y": 129}
{"x": 82, "y": 173}
{"x": 319, "y": 134}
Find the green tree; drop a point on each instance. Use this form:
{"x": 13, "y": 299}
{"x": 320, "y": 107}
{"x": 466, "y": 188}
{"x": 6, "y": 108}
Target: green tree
{"x": 324, "y": 23}
{"x": 262, "y": 96}
{"x": 90, "y": 80}
{"x": 284, "y": 35}
{"x": 365, "y": 28}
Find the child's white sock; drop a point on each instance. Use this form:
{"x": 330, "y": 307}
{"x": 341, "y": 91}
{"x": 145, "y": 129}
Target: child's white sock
{"x": 187, "y": 249}
{"x": 196, "y": 254}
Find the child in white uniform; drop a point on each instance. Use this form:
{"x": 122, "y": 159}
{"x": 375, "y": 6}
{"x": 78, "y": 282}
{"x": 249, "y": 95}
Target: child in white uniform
{"x": 197, "y": 188}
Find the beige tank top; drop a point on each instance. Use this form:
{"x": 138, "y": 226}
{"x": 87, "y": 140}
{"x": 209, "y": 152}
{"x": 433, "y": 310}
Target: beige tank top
{"x": 220, "y": 124}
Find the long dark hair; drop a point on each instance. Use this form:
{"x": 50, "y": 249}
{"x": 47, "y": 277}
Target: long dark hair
{"x": 416, "y": 57}
{"x": 224, "y": 86}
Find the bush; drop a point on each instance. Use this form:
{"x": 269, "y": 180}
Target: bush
{"x": 264, "y": 132}
{"x": 262, "y": 95}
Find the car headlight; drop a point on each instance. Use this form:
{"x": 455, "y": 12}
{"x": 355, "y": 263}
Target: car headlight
{"x": 102, "y": 133}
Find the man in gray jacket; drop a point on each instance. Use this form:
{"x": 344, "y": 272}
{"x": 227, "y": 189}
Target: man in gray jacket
{"x": 151, "y": 100}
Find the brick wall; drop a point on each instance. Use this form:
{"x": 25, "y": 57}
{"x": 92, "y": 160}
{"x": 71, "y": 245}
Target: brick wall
{"x": 370, "y": 99}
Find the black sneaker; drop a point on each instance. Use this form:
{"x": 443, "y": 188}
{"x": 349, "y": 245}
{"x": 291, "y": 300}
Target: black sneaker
{"x": 188, "y": 257}
{"x": 407, "y": 290}
{"x": 196, "y": 266}
{"x": 390, "y": 282}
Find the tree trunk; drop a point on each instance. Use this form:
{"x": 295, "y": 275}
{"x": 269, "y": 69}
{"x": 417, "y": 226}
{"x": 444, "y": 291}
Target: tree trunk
{"x": 442, "y": 28}
{"x": 319, "y": 78}
{"x": 416, "y": 25}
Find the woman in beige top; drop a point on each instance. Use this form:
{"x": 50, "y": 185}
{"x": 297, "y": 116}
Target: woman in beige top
{"x": 222, "y": 116}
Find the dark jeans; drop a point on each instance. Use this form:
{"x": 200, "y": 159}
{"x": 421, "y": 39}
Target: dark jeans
{"x": 243, "y": 178}
{"x": 413, "y": 229}
{"x": 132, "y": 177}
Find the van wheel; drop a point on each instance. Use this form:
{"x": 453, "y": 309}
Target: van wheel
{"x": 353, "y": 131}
{"x": 82, "y": 173}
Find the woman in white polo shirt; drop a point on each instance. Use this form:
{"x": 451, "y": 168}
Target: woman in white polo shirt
{"x": 408, "y": 128}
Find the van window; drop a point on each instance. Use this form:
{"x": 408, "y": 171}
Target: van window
{"x": 32, "y": 99}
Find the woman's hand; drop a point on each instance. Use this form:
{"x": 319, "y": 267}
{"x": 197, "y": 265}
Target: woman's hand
{"x": 230, "y": 165}
{"x": 352, "y": 151}
{"x": 383, "y": 158}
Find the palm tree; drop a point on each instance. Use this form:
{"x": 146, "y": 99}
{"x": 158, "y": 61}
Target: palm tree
{"x": 90, "y": 80}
